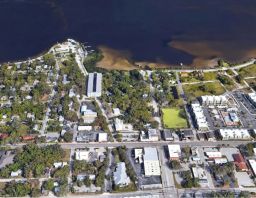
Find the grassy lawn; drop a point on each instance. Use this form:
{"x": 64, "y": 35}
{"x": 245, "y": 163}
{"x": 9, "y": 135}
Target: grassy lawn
{"x": 248, "y": 71}
{"x": 198, "y": 76}
{"x": 197, "y": 90}
{"x": 67, "y": 155}
{"x": 172, "y": 119}
{"x": 210, "y": 76}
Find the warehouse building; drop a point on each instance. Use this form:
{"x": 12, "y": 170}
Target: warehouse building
{"x": 151, "y": 162}
{"x": 94, "y": 85}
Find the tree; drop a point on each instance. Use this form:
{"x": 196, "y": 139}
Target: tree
{"x": 87, "y": 182}
{"x": 68, "y": 137}
{"x": 182, "y": 113}
{"x": 35, "y": 192}
{"x": 154, "y": 124}
{"x": 119, "y": 137}
{"x": 61, "y": 172}
{"x": 49, "y": 184}
{"x": 175, "y": 164}
{"x": 17, "y": 189}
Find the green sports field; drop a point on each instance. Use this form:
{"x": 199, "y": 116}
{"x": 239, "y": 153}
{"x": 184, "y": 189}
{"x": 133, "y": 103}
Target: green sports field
{"x": 172, "y": 119}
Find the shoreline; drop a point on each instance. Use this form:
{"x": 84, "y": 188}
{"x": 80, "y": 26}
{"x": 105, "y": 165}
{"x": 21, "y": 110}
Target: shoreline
{"x": 130, "y": 64}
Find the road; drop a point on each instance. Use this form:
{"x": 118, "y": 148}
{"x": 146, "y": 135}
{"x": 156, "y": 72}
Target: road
{"x": 249, "y": 62}
{"x": 48, "y": 110}
{"x": 183, "y": 96}
{"x": 138, "y": 144}
{"x": 169, "y": 189}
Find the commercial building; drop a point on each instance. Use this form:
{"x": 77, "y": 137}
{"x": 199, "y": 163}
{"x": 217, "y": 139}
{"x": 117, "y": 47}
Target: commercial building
{"x": 199, "y": 117}
{"x": 230, "y": 118}
{"x": 120, "y": 177}
{"x": 174, "y": 151}
{"x": 94, "y": 85}
{"x": 240, "y": 162}
{"x": 252, "y": 98}
{"x": 252, "y": 163}
{"x": 151, "y": 162}
{"x": 234, "y": 134}
{"x": 213, "y": 100}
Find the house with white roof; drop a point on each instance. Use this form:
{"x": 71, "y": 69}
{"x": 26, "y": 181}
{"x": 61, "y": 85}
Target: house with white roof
{"x": 102, "y": 137}
{"x": 120, "y": 126}
{"x": 16, "y": 173}
{"x": 82, "y": 154}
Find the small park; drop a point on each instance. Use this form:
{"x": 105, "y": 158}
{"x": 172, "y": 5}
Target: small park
{"x": 174, "y": 118}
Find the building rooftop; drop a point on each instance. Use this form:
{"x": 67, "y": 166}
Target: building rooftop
{"x": 150, "y": 154}
{"x": 120, "y": 176}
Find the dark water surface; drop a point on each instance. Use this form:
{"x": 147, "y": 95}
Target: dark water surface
{"x": 170, "y": 31}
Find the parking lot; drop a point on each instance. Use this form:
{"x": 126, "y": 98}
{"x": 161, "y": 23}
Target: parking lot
{"x": 143, "y": 182}
{"x": 247, "y": 112}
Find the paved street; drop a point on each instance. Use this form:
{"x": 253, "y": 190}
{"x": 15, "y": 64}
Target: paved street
{"x": 47, "y": 114}
{"x": 140, "y": 144}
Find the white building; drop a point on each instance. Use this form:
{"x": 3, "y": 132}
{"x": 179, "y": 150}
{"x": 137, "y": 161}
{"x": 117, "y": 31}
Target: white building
{"x": 82, "y": 155}
{"x": 213, "y": 154}
{"x": 84, "y": 128}
{"x": 138, "y": 154}
{"x": 199, "y": 173}
{"x": 174, "y": 151}
{"x": 252, "y": 98}
{"x": 199, "y": 117}
{"x": 120, "y": 177}
{"x": 116, "y": 112}
{"x": 83, "y": 108}
{"x": 150, "y": 135}
{"x": 234, "y": 134}
{"x": 59, "y": 164}
{"x": 120, "y": 126}
{"x": 151, "y": 162}
{"x": 214, "y": 100}
{"x": 89, "y": 116}
{"x": 94, "y": 85}
{"x": 16, "y": 173}
{"x": 222, "y": 160}
{"x": 252, "y": 163}
{"x": 102, "y": 137}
